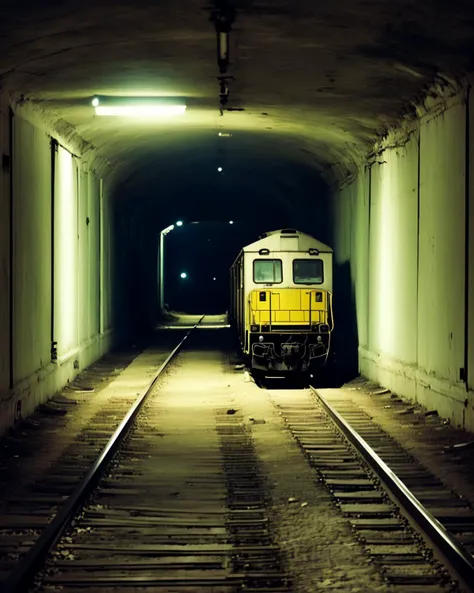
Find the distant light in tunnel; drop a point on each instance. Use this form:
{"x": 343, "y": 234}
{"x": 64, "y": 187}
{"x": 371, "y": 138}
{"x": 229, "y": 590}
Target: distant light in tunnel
{"x": 167, "y": 230}
{"x": 213, "y": 278}
{"x": 219, "y": 169}
{"x": 141, "y": 110}
{"x": 231, "y": 222}
{"x": 179, "y": 223}
{"x": 95, "y": 102}
{"x": 183, "y": 275}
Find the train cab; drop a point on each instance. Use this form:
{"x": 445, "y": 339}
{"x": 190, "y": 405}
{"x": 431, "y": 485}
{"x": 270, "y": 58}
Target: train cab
{"x": 281, "y": 301}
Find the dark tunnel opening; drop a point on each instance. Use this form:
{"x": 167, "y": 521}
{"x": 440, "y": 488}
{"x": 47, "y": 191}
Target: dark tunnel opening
{"x": 256, "y": 199}
{"x": 197, "y": 261}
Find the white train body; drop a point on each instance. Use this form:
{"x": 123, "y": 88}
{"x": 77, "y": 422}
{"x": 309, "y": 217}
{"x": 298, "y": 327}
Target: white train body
{"x": 281, "y": 301}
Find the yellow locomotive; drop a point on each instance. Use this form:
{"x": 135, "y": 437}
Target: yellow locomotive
{"x": 281, "y": 302}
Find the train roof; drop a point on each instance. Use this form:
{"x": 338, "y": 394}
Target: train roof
{"x": 279, "y": 241}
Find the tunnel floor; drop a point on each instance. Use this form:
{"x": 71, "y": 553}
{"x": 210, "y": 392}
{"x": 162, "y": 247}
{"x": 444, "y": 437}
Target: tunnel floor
{"x": 315, "y": 541}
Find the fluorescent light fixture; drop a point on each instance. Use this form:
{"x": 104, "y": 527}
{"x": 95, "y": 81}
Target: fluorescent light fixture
{"x": 142, "y": 110}
{"x": 137, "y": 107}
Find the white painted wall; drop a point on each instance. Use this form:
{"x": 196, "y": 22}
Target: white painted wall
{"x": 351, "y": 258}
{"x": 31, "y": 250}
{"x": 107, "y": 255}
{"x": 4, "y": 255}
{"x": 401, "y": 228}
{"x": 58, "y": 254}
{"x": 441, "y": 293}
{"x": 393, "y": 254}
{"x": 469, "y": 411}
{"x": 87, "y": 224}
{"x": 92, "y": 303}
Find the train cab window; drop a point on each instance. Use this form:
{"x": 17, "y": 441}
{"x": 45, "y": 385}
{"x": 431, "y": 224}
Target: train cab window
{"x": 308, "y": 271}
{"x": 267, "y": 271}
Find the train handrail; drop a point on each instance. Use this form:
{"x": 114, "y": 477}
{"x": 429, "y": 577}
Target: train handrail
{"x": 328, "y": 311}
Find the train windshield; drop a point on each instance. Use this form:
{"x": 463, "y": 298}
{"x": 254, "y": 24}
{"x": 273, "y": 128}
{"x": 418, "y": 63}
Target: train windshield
{"x": 267, "y": 271}
{"x": 308, "y": 271}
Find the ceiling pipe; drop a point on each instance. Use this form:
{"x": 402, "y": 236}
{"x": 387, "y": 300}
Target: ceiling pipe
{"x": 223, "y": 16}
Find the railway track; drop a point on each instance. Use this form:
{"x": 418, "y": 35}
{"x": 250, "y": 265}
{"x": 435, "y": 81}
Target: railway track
{"x": 178, "y": 498}
{"x": 410, "y": 543}
{"x": 181, "y": 504}
{"x": 32, "y": 521}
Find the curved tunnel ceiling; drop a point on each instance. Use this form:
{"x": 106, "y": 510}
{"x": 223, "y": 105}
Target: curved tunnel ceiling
{"x": 317, "y": 81}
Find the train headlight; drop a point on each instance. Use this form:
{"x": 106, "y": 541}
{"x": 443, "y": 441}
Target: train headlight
{"x": 319, "y": 339}
{"x": 260, "y": 339}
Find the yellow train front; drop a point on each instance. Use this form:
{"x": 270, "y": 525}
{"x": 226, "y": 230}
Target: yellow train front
{"x": 281, "y": 302}
{"x": 289, "y": 329}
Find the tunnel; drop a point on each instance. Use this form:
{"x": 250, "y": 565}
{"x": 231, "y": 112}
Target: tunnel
{"x": 350, "y": 122}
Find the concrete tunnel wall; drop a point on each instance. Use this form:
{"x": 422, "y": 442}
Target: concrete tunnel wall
{"x": 400, "y": 235}
{"x": 401, "y": 229}
{"x": 55, "y": 267}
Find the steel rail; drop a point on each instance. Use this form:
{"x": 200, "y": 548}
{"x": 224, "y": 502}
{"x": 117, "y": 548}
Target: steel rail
{"x": 23, "y": 573}
{"x": 452, "y": 551}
